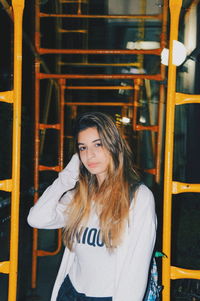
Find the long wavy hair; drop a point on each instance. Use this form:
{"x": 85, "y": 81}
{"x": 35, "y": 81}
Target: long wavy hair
{"x": 112, "y": 197}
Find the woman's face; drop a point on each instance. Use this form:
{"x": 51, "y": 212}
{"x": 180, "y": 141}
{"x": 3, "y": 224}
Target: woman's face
{"x": 93, "y": 155}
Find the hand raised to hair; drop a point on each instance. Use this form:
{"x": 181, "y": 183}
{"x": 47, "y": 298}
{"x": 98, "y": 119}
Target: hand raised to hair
{"x": 48, "y": 212}
{"x": 70, "y": 174}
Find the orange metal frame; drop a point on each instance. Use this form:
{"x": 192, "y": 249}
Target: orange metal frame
{"x": 61, "y": 79}
{"x": 146, "y": 17}
{"x": 39, "y": 168}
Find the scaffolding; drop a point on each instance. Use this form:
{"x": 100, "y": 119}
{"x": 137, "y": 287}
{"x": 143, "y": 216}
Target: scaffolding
{"x": 12, "y": 185}
{"x": 72, "y": 50}
{"x": 171, "y": 187}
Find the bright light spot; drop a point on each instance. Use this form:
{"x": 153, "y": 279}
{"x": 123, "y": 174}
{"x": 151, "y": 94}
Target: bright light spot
{"x": 179, "y": 54}
{"x": 125, "y": 120}
{"x": 143, "y": 45}
{"x": 142, "y": 119}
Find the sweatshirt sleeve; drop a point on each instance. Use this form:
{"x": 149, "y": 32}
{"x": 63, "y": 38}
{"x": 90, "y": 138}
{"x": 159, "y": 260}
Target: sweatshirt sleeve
{"x": 140, "y": 244}
{"x": 48, "y": 211}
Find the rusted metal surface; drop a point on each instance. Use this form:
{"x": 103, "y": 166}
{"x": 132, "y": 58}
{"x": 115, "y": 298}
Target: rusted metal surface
{"x": 156, "y": 51}
{"x": 106, "y": 104}
{"x": 99, "y": 87}
{"x": 146, "y": 17}
{"x": 153, "y": 128}
{"x": 100, "y": 76}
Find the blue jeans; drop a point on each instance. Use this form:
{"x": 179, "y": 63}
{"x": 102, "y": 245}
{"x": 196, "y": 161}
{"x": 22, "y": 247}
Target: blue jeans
{"x": 68, "y": 293}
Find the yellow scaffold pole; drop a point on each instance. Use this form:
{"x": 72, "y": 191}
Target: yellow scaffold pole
{"x": 18, "y": 7}
{"x": 175, "y": 6}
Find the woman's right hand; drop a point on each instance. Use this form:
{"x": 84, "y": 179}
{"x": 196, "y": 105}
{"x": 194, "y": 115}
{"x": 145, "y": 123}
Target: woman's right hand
{"x": 71, "y": 170}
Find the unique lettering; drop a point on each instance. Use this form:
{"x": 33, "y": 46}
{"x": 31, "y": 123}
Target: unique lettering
{"x": 92, "y": 237}
{"x": 78, "y": 235}
{"x": 84, "y": 235}
{"x": 100, "y": 243}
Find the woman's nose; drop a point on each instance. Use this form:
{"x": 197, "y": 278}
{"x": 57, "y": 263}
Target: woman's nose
{"x": 90, "y": 153}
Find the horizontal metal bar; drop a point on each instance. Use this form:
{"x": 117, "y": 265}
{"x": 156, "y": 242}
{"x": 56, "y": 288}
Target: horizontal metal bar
{"x": 100, "y": 76}
{"x": 106, "y": 104}
{"x": 156, "y": 51}
{"x": 153, "y": 128}
{"x": 5, "y": 267}
{"x": 179, "y": 273}
{"x": 7, "y": 96}
{"x": 52, "y": 168}
{"x": 99, "y": 88}
{"x": 46, "y": 253}
{"x": 6, "y": 185}
{"x": 73, "y": 31}
{"x": 135, "y": 64}
{"x": 151, "y": 171}
{"x": 180, "y": 187}
{"x": 43, "y": 126}
{"x": 181, "y": 98}
{"x": 148, "y": 17}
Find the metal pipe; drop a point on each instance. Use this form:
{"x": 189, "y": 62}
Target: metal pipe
{"x": 100, "y": 76}
{"x": 146, "y": 17}
{"x": 18, "y": 8}
{"x": 98, "y": 88}
{"x": 161, "y": 105}
{"x": 156, "y": 51}
{"x": 106, "y": 104}
{"x": 175, "y": 6}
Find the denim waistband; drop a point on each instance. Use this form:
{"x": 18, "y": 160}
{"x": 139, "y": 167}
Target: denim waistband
{"x": 68, "y": 292}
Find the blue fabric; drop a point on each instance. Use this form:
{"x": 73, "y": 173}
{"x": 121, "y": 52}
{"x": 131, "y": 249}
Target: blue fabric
{"x": 68, "y": 293}
{"x": 153, "y": 289}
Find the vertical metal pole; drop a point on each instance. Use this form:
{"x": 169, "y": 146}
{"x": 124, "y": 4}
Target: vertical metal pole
{"x": 18, "y": 7}
{"x": 175, "y": 6}
{"x": 37, "y": 142}
{"x": 161, "y": 107}
{"x": 61, "y": 121}
{"x": 36, "y": 173}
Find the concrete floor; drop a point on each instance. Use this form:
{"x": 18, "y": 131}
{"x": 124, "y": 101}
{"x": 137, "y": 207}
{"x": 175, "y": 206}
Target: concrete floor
{"x": 47, "y": 271}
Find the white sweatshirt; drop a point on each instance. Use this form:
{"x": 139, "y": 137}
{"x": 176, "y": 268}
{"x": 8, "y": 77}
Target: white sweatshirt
{"x": 132, "y": 257}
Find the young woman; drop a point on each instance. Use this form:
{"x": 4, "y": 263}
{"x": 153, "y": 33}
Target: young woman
{"x": 108, "y": 218}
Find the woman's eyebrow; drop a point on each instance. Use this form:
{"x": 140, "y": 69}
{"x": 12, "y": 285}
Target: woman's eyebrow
{"x": 81, "y": 143}
{"x": 96, "y": 140}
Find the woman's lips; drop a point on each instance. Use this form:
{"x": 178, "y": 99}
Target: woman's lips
{"x": 92, "y": 165}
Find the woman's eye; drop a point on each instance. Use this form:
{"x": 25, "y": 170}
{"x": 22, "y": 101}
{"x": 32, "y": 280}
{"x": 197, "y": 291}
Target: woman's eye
{"x": 82, "y": 148}
{"x": 98, "y": 144}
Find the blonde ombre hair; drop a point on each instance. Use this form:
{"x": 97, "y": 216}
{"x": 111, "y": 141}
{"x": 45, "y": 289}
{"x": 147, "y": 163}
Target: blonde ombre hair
{"x": 112, "y": 198}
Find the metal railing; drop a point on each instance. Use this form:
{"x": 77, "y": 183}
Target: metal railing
{"x": 171, "y": 187}
{"x": 13, "y": 185}
{"x": 61, "y": 81}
